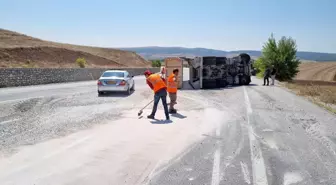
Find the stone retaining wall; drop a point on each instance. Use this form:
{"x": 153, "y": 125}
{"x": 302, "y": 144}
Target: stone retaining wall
{"x": 10, "y": 77}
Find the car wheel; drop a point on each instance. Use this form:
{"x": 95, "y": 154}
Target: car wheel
{"x": 133, "y": 87}
{"x": 128, "y": 92}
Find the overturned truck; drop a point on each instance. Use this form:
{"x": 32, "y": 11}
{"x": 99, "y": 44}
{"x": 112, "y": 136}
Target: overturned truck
{"x": 215, "y": 72}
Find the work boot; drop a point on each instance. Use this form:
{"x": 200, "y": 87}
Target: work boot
{"x": 150, "y": 117}
{"x": 167, "y": 118}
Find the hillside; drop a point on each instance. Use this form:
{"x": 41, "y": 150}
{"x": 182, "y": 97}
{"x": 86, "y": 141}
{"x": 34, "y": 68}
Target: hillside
{"x": 161, "y": 52}
{"x": 17, "y": 50}
{"x": 322, "y": 71}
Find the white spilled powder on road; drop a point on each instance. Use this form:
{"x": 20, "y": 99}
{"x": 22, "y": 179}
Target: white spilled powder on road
{"x": 292, "y": 178}
{"x": 216, "y": 163}
{"x": 245, "y": 172}
{"x": 258, "y": 165}
{"x": 125, "y": 151}
{"x": 8, "y": 121}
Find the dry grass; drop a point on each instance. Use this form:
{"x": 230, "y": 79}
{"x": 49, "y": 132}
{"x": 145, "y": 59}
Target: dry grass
{"x": 321, "y": 71}
{"x": 16, "y": 48}
{"x": 323, "y": 95}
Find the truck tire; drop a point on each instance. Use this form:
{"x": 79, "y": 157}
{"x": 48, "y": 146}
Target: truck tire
{"x": 244, "y": 80}
{"x": 245, "y": 57}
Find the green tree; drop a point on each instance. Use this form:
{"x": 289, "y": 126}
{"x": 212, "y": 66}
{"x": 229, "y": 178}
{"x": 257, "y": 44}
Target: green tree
{"x": 287, "y": 63}
{"x": 259, "y": 66}
{"x": 282, "y": 55}
{"x": 81, "y": 62}
{"x": 156, "y": 63}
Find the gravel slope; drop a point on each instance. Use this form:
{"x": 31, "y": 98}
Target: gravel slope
{"x": 17, "y": 49}
{"x": 66, "y": 134}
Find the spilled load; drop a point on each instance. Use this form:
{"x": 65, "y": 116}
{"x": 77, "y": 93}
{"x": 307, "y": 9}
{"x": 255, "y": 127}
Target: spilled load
{"x": 214, "y": 72}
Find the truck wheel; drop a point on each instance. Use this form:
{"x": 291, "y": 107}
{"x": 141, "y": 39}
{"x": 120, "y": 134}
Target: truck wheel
{"x": 244, "y": 80}
{"x": 245, "y": 57}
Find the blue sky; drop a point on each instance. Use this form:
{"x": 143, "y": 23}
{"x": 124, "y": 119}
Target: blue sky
{"x": 217, "y": 24}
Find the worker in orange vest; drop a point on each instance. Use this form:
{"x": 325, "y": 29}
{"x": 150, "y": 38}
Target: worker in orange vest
{"x": 157, "y": 84}
{"x": 172, "y": 90}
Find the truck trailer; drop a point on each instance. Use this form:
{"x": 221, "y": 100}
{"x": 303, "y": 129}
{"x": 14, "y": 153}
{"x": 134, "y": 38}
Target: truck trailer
{"x": 209, "y": 72}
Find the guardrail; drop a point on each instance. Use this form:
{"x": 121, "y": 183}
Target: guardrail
{"x": 11, "y": 77}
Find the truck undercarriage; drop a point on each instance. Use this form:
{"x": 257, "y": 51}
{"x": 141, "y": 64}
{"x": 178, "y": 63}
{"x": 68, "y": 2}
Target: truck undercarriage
{"x": 215, "y": 72}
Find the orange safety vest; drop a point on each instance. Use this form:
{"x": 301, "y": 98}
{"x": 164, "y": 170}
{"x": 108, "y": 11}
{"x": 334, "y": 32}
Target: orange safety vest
{"x": 157, "y": 82}
{"x": 172, "y": 85}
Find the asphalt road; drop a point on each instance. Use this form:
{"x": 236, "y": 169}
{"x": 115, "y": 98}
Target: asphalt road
{"x": 261, "y": 135}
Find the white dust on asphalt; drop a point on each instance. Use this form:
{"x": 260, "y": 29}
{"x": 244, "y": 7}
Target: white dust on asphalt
{"x": 292, "y": 178}
{"x": 245, "y": 172}
{"x": 125, "y": 151}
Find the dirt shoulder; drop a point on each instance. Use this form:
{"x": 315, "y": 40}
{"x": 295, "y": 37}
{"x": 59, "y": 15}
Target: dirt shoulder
{"x": 322, "y": 95}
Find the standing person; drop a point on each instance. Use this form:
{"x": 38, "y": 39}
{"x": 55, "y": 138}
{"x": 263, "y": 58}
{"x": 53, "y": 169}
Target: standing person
{"x": 267, "y": 75}
{"x": 159, "y": 87}
{"x": 273, "y": 74}
{"x": 172, "y": 90}
{"x": 163, "y": 73}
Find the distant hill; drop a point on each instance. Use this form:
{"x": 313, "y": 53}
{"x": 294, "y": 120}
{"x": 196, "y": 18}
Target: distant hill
{"x": 161, "y": 52}
{"x": 19, "y": 50}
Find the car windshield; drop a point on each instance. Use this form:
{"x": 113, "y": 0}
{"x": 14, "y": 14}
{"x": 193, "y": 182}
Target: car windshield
{"x": 113, "y": 74}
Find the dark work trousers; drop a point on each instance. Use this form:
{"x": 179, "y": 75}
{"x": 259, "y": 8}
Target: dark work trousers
{"x": 266, "y": 79}
{"x": 161, "y": 94}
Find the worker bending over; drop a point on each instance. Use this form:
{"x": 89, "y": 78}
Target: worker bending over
{"x": 157, "y": 84}
{"x": 172, "y": 90}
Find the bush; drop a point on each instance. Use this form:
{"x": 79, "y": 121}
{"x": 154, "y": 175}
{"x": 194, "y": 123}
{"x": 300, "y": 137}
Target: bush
{"x": 282, "y": 55}
{"x": 156, "y": 63}
{"x": 81, "y": 62}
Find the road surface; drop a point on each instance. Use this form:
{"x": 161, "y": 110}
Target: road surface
{"x": 65, "y": 134}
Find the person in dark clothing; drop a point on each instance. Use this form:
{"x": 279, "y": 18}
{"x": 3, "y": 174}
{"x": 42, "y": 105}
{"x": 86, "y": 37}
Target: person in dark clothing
{"x": 158, "y": 85}
{"x": 161, "y": 94}
{"x": 267, "y": 74}
{"x": 273, "y": 72}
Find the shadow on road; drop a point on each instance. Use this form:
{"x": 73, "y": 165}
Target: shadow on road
{"x": 187, "y": 86}
{"x": 156, "y": 121}
{"x": 178, "y": 115}
{"x": 210, "y": 89}
{"x": 115, "y": 94}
